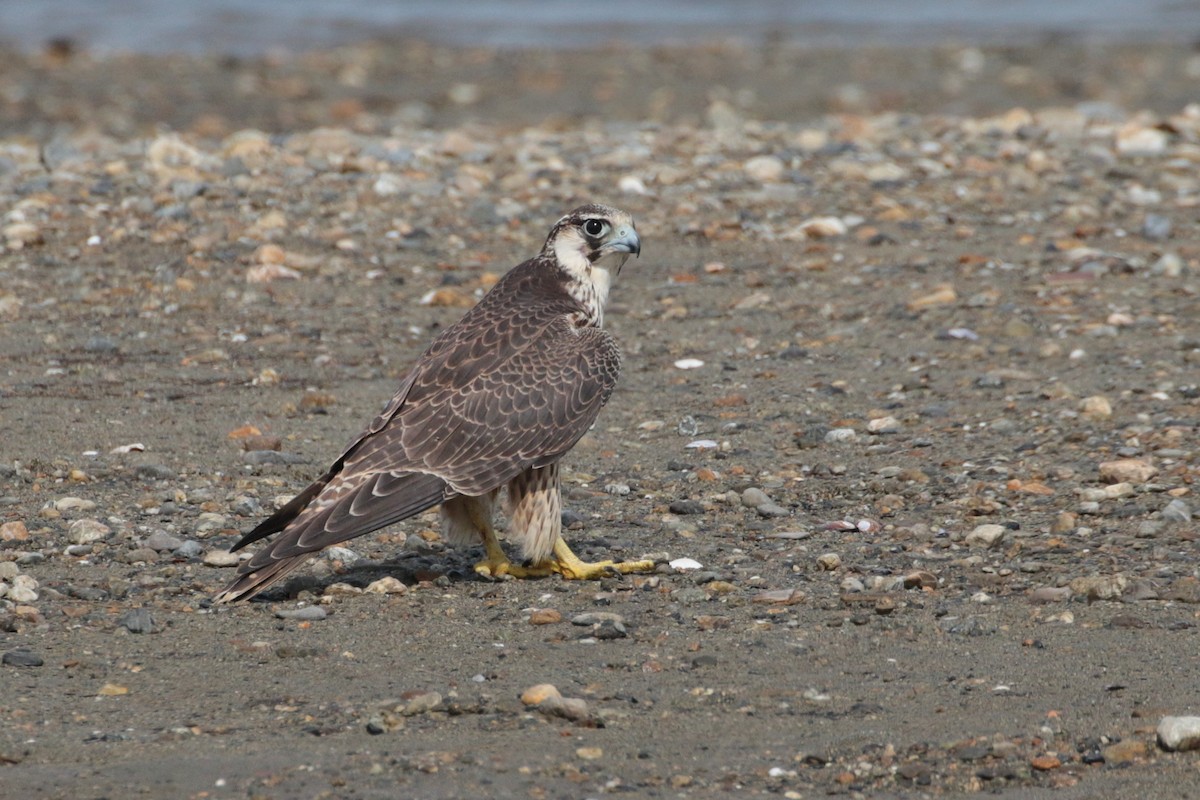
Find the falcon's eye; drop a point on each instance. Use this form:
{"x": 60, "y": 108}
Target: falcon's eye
{"x": 595, "y": 227}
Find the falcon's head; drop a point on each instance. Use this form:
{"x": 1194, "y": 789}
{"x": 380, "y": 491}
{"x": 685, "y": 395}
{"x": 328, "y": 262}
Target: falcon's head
{"x": 591, "y": 236}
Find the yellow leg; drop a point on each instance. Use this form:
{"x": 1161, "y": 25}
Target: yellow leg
{"x": 571, "y": 567}
{"x": 496, "y": 563}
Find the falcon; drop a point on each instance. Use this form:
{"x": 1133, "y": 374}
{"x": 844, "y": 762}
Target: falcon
{"x": 492, "y": 405}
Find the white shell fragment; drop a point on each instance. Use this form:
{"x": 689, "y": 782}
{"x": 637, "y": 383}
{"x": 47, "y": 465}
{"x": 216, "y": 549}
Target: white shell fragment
{"x": 689, "y": 363}
{"x": 133, "y": 447}
{"x": 685, "y": 563}
{"x": 701, "y": 444}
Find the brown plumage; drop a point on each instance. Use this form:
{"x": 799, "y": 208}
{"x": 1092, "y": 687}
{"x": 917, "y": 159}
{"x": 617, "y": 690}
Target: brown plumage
{"x": 494, "y": 402}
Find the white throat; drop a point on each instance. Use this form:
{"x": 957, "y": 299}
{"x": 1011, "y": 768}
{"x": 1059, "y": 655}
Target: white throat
{"x": 590, "y": 282}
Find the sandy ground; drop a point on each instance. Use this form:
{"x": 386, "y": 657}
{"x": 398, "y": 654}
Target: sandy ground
{"x": 944, "y": 303}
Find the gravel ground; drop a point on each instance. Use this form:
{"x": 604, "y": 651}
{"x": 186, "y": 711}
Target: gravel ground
{"x": 910, "y": 402}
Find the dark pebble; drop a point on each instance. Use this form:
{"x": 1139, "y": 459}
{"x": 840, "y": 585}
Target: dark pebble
{"x": 154, "y": 472}
{"x": 21, "y": 658}
{"x": 683, "y": 507}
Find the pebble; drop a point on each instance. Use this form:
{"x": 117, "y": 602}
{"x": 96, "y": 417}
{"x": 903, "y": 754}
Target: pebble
{"x": 73, "y": 504}
{"x": 221, "y": 558}
{"x": 1100, "y": 587}
{"x": 840, "y": 436}
{"x": 765, "y": 169}
{"x": 988, "y": 535}
{"x": 772, "y": 511}
{"x": 686, "y": 507}
{"x": 1177, "y": 511}
{"x": 753, "y": 497}
{"x": 14, "y": 532}
{"x": 1127, "y": 470}
{"x": 303, "y": 614}
{"x": 139, "y": 620}
{"x": 1179, "y": 733}
{"x": 1050, "y": 594}
{"x": 23, "y": 589}
{"x": 161, "y": 540}
{"x": 548, "y": 700}
{"x": 1125, "y": 751}
{"x": 386, "y": 585}
{"x": 829, "y": 561}
{"x": 83, "y": 531}
{"x": 1096, "y": 407}
{"x": 882, "y": 425}
{"x": 189, "y": 549}
{"x": 21, "y": 658}
{"x": 545, "y": 616}
{"x": 782, "y": 597}
{"x": 684, "y": 564}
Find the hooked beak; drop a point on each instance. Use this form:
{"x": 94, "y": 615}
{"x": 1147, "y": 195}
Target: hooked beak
{"x": 624, "y": 240}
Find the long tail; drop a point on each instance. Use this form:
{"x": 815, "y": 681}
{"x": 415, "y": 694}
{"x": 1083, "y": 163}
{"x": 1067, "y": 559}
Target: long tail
{"x": 330, "y": 511}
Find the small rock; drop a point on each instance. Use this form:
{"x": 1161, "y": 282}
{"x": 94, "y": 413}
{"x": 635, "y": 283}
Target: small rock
{"x": 23, "y": 589}
{"x": 1096, "y": 407}
{"x": 989, "y": 535}
{"x": 686, "y": 507}
{"x": 14, "y": 532}
{"x": 1177, "y": 511}
{"x": 1100, "y": 587}
{"x": 779, "y": 597}
{"x": 589, "y": 753}
{"x": 161, "y": 540}
{"x": 1179, "y": 733}
{"x": 765, "y": 169}
{"x": 341, "y": 589}
{"x": 829, "y": 561}
{"x": 840, "y": 436}
{"x": 154, "y": 472}
{"x": 754, "y": 497}
{"x": 221, "y": 558}
{"x": 1045, "y": 762}
{"x": 82, "y": 531}
{"x": 772, "y": 510}
{"x": 820, "y": 228}
{"x": 1127, "y": 470}
{"x": 536, "y": 695}
{"x": 882, "y": 425}
{"x": 21, "y": 658}
{"x": 139, "y": 620}
{"x": 189, "y": 549}
{"x": 386, "y": 585}
{"x": 67, "y": 504}
{"x": 1050, "y": 594}
{"x": 544, "y": 616}
{"x": 1125, "y": 751}
{"x": 303, "y": 614}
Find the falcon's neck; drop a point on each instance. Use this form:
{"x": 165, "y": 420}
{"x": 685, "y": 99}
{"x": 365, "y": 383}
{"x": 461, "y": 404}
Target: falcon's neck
{"x": 588, "y": 283}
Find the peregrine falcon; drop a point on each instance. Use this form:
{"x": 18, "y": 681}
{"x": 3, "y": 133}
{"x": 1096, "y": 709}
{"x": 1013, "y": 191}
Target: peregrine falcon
{"x": 494, "y": 403}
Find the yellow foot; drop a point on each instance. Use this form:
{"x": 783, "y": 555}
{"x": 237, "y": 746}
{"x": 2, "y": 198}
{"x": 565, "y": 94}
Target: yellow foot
{"x": 492, "y": 567}
{"x": 571, "y": 567}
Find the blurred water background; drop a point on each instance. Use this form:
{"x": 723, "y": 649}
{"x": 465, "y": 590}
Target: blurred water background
{"x": 254, "y": 27}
